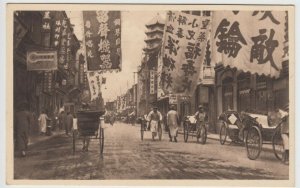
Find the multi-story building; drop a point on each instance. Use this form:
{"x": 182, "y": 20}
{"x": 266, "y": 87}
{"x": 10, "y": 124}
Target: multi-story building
{"x": 48, "y": 90}
{"x": 147, "y": 85}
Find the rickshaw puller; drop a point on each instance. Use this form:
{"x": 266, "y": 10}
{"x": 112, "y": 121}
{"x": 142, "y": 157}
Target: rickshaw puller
{"x": 154, "y": 118}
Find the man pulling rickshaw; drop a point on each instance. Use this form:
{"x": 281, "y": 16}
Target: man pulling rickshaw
{"x": 154, "y": 119}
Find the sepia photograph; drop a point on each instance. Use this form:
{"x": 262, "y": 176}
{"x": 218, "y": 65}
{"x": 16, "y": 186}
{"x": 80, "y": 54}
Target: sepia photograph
{"x": 190, "y": 93}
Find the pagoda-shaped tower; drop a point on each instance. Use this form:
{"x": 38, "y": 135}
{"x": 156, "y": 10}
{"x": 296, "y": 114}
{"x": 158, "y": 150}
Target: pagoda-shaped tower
{"x": 154, "y": 36}
{"x": 153, "y": 42}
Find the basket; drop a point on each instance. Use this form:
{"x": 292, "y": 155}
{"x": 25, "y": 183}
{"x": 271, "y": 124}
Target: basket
{"x": 88, "y": 122}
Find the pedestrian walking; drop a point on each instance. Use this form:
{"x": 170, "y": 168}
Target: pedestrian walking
{"x": 22, "y": 126}
{"x": 69, "y": 123}
{"x": 43, "y": 122}
{"x": 154, "y": 118}
{"x": 173, "y": 123}
{"x": 61, "y": 120}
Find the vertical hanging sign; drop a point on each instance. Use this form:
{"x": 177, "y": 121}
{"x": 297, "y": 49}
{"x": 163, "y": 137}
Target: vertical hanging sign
{"x": 183, "y": 52}
{"x": 102, "y": 32}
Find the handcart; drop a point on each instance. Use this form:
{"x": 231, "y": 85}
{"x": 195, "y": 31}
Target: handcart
{"x": 190, "y": 128}
{"x": 256, "y": 131}
{"x": 89, "y": 126}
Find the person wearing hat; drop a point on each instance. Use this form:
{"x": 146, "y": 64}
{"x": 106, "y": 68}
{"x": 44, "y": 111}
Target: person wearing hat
{"x": 201, "y": 117}
{"x": 154, "y": 118}
{"x": 173, "y": 122}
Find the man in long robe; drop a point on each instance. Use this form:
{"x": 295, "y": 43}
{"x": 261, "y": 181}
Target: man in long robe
{"x": 173, "y": 123}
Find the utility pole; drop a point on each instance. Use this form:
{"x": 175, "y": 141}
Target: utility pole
{"x": 135, "y": 93}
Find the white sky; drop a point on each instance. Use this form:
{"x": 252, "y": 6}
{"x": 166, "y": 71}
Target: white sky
{"x": 133, "y": 35}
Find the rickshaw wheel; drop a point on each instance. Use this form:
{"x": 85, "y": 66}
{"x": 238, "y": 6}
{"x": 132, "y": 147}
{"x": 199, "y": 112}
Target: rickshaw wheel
{"x": 101, "y": 140}
{"x": 142, "y": 131}
{"x": 186, "y": 131}
{"x": 159, "y": 132}
{"x": 253, "y": 143}
{"x": 203, "y": 134}
{"x": 223, "y": 134}
{"x": 277, "y": 144}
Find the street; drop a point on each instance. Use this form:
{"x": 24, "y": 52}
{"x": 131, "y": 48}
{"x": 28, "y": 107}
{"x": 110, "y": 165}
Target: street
{"x": 127, "y": 157}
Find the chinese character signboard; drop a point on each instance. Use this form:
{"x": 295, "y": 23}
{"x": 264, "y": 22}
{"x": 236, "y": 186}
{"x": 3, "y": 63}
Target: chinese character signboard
{"x": 46, "y": 22}
{"x": 173, "y": 99}
{"x": 57, "y": 29}
{"x": 102, "y": 32}
{"x": 160, "y": 92}
{"x": 249, "y": 40}
{"x": 152, "y": 81}
{"x": 183, "y": 51}
{"x": 47, "y": 81}
{"x": 94, "y": 79}
{"x": 62, "y": 53}
{"x": 41, "y": 60}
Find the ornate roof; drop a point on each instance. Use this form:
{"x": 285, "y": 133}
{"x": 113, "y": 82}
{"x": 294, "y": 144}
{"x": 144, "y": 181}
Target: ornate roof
{"x": 156, "y": 20}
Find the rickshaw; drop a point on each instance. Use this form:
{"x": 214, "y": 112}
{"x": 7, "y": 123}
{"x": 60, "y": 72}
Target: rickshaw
{"x": 256, "y": 132}
{"x": 190, "y": 129}
{"x": 88, "y": 123}
{"x": 143, "y": 122}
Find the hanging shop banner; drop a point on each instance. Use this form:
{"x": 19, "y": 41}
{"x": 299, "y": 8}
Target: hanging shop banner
{"x": 152, "y": 82}
{"x": 173, "y": 99}
{"x": 57, "y": 28}
{"x": 94, "y": 79}
{"x": 141, "y": 86}
{"x": 160, "y": 92}
{"x": 62, "y": 53}
{"x": 48, "y": 81}
{"x": 183, "y": 51}
{"x": 41, "y": 60}
{"x": 102, "y": 31}
{"x": 46, "y": 22}
{"x": 257, "y": 49}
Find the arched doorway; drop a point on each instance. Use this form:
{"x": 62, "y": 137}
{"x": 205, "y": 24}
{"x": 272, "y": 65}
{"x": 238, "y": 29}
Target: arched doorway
{"x": 261, "y": 95}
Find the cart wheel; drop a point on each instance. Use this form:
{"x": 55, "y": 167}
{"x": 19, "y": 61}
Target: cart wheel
{"x": 142, "y": 131}
{"x": 74, "y": 141}
{"x": 277, "y": 144}
{"x": 202, "y": 135}
{"x": 101, "y": 140}
{"x": 186, "y": 131}
{"x": 223, "y": 134}
{"x": 253, "y": 142}
{"x": 159, "y": 132}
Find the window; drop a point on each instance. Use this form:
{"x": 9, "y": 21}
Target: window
{"x": 244, "y": 97}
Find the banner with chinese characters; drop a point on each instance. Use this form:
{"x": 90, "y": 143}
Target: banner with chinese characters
{"x": 48, "y": 82}
{"x": 94, "y": 79}
{"x": 152, "y": 82}
{"x": 102, "y": 31}
{"x": 249, "y": 40}
{"x": 183, "y": 52}
{"x": 46, "y": 22}
{"x": 62, "y": 53}
{"x": 57, "y": 28}
{"x": 160, "y": 92}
